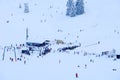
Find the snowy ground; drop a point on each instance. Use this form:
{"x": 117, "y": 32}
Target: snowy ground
{"x": 100, "y": 23}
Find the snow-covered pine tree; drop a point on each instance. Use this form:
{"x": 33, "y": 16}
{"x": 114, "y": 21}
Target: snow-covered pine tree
{"x": 71, "y": 9}
{"x": 26, "y": 8}
{"x": 79, "y": 7}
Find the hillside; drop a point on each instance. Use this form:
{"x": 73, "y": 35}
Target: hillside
{"x": 97, "y": 30}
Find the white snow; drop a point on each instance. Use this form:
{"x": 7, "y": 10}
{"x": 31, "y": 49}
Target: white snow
{"x": 100, "y": 23}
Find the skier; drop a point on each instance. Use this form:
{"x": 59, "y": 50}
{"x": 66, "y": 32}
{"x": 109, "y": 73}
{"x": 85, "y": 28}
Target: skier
{"x": 25, "y": 62}
{"x": 59, "y": 61}
{"x": 85, "y": 66}
{"x": 76, "y": 75}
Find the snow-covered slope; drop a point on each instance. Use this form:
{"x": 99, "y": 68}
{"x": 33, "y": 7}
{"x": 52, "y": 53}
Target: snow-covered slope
{"x": 97, "y": 30}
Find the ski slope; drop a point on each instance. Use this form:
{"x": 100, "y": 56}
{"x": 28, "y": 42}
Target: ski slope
{"x": 97, "y": 30}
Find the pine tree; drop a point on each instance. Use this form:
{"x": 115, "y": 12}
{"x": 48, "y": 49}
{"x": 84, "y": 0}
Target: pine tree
{"x": 79, "y": 7}
{"x": 71, "y": 10}
{"x": 26, "y": 8}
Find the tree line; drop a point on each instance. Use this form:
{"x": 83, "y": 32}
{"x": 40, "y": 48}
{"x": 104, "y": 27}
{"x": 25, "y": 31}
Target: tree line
{"x": 74, "y": 8}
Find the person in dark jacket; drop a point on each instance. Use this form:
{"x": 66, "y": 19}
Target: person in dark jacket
{"x": 76, "y": 75}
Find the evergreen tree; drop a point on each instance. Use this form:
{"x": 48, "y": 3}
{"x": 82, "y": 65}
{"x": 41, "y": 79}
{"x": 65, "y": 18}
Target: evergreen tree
{"x": 71, "y": 9}
{"x": 26, "y": 8}
{"x": 79, "y": 7}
